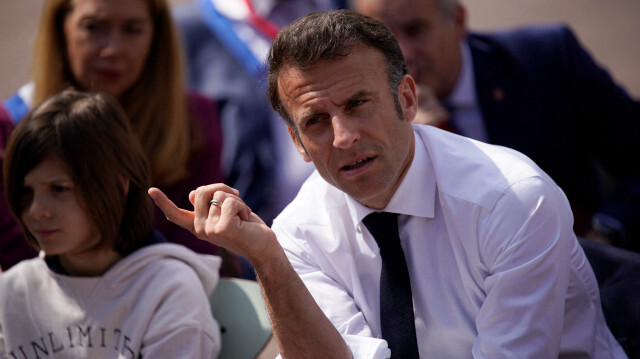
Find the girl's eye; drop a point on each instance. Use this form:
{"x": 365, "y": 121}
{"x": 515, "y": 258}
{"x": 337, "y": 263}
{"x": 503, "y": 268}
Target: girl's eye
{"x": 61, "y": 188}
{"x": 26, "y": 196}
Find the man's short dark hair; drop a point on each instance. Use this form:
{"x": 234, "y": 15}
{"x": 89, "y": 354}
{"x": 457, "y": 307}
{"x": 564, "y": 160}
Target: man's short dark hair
{"x": 325, "y": 36}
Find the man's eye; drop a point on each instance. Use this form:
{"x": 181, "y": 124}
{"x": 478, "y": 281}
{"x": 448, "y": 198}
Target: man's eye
{"x": 355, "y": 103}
{"x": 313, "y": 120}
{"x": 413, "y": 31}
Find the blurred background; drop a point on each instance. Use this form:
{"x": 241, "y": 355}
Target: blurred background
{"x": 609, "y": 29}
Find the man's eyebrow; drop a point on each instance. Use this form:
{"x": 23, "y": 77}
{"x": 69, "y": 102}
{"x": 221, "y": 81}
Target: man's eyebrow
{"x": 310, "y": 113}
{"x": 305, "y": 116}
{"x": 360, "y": 94}
{"x": 357, "y": 96}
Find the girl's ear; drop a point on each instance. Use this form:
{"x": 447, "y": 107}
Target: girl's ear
{"x": 125, "y": 182}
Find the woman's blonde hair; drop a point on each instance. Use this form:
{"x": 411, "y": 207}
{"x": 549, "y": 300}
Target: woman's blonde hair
{"x": 156, "y": 104}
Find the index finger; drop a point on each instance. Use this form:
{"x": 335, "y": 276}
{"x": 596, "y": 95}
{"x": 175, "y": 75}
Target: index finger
{"x": 179, "y": 216}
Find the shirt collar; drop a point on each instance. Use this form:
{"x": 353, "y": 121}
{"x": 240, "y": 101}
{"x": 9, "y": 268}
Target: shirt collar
{"x": 464, "y": 93}
{"x": 416, "y": 194}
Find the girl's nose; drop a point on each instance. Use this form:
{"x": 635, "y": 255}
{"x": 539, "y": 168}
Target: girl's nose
{"x": 39, "y": 208}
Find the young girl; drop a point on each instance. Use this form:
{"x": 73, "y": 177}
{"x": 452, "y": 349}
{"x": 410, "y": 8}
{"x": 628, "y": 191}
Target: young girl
{"x": 129, "y": 49}
{"x": 105, "y": 285}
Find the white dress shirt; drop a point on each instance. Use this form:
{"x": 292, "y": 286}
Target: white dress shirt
{"x": 496, "y": 270}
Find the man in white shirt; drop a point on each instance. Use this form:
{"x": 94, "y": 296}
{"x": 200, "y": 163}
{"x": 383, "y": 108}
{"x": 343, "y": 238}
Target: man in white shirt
{"x": 495, "y": 269}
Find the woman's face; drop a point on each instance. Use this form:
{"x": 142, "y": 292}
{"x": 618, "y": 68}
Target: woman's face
{"x": 108, "y": 42}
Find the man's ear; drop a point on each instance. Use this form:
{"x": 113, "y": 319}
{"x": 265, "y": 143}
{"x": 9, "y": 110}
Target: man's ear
{"x": 299, "y": 146}
{"x": 460, "y": 21}
{"x": 408, "y": 98}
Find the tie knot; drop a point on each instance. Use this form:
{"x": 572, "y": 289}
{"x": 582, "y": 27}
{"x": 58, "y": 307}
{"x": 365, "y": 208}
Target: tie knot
{"x": 383, "y": 226}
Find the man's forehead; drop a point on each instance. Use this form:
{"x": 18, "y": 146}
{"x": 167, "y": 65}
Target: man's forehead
{"x": 340, "y": 56}
{"x": 334, "y": 71}
{"x": 304, "y": 78}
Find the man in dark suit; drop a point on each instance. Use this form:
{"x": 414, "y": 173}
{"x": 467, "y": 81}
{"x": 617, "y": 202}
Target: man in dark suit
{"x": 533, "y": 89}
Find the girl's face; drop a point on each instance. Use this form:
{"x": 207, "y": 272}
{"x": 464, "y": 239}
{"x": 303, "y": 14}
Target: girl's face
{"x": 108, "y": 42}
{"x": 54, "y": 213}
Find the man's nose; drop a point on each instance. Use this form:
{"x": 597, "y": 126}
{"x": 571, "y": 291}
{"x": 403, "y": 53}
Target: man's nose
{"x": 345, "y": 132}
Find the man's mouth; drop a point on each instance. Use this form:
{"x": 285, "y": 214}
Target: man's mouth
{"x": 356, "y": 164}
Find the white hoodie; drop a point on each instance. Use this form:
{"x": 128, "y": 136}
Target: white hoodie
{"x": 151, "y": 304}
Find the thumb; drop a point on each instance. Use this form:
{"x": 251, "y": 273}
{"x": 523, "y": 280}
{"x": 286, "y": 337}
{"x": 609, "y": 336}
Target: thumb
{"x": 181, "y": 217}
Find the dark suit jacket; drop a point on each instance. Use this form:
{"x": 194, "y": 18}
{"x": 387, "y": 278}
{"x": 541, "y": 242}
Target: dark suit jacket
{"x": 618, "y": 274}
{"x": 541, "y": 93}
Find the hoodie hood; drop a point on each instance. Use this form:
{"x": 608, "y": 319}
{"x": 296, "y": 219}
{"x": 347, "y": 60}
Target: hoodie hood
{"x": 206, "y": 266}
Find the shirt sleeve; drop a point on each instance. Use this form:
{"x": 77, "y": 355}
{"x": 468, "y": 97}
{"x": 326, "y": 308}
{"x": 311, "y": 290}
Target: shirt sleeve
{"x": 526, "y": 244}
{"x": 3, "y": 350}
{"x": 333, "y": 298}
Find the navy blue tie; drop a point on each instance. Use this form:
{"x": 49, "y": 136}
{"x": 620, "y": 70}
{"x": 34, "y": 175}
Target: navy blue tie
{"x": 396, "y": 302}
